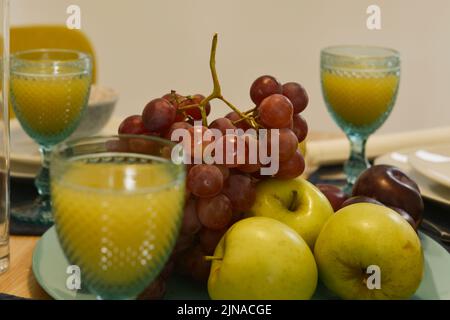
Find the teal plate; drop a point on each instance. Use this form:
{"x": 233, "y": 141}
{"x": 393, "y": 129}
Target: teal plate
{"x": 50, "y": 264}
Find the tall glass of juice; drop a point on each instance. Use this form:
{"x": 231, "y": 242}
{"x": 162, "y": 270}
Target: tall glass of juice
{"x": 4, "y": 136}
{"x": 118, "y": 204}
{"x": 49, "y": 92}
{"x": 360, "y": 86}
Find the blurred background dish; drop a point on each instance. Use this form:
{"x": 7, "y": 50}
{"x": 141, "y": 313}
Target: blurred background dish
{"x": 102, "y": 103}
{"x": 433, "y": 162}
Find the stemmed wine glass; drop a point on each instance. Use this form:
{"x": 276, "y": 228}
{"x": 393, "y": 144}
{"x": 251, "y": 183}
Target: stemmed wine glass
{"x": 359, "y": 85}
{"x": 49, "y": 92}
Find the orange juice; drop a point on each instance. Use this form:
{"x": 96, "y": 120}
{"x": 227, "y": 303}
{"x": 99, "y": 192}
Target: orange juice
{"x": 359, "y": 101}
{"x": 49, "y": 106}
{"x": 113, "y": 220}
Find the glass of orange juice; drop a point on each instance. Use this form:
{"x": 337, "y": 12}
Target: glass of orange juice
{"x": 49, "y": 92}
{"x": 360, "y": 86}
{"x": 118, "y": 204}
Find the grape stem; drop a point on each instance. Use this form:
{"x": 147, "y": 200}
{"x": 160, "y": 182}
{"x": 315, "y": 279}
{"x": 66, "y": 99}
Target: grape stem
{"x": 217, "y": 91}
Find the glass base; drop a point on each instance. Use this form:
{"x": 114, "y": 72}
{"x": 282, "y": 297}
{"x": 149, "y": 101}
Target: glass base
{"x": 38, "y": 212}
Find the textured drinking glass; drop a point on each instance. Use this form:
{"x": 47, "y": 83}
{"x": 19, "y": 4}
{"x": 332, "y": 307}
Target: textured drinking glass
{"x": 359, "y": 85}
{"x": 118, "y": 204}
{"x": 49, "y": 92}
{"x": 4, "y": 137}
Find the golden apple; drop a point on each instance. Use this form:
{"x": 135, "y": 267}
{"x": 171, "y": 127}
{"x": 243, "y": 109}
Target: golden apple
{"x": 262, "y": 259}
{"x": 364, "y": 239}
{"x": 297, "y": 203}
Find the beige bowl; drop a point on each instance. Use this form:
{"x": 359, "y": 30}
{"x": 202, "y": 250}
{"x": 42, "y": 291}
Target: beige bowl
{"x": 102, "y": 103}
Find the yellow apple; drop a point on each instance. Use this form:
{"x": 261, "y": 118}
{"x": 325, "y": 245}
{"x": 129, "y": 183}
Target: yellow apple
{"x": 363, "y": 235}
{"x": 262, "y": 259}
{"x": 297, "y": 203}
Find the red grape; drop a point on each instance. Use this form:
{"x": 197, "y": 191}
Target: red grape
{"x": 214, "y": 213}
{"x": 291, "y": 168}
{"x": 275, "y": 111}
{"x": 196, "y": 143}
{"x": 287, "y": 143}
{"x": 191, "y": 224}
{"x": 158, "y": 115}
{"x": 175, "y": 126}
{"x": 194, "y": 112}
{"x": 297, "y": 95}
{"x": 222, "y": 124}
{"x": 175, "y": 99}
{"x": 133, "y": 125}
{"x": 230, "y": 145}
{"x": 183, "y": 243}
{"x": 234, "y": 116}
{"x": 225, "y": 171}
{"x": 199, "y": 266}
{"x": 252, "y": 163}
{"x": 241, "y": 191}
{"x": 205, "y": 180}
{"x": 300, "y": 127}
{"x": 210, "y": 238}
{"x": 263, "y": 87}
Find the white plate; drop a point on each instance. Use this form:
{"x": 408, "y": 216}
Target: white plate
{"x": 429, "y": 189}
{"x": 433, "y": 162}
{"x": 25, "y": 157}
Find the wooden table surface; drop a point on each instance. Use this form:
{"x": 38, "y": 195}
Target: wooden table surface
{"x": 19, "y": 279}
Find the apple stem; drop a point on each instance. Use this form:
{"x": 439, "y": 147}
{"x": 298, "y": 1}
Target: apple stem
{"x": 212, "y": 258}
{"x": 294, "y": 203}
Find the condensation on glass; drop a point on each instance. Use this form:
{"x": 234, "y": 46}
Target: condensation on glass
{"x": 4, "y": 136}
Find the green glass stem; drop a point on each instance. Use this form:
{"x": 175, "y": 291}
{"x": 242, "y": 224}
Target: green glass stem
{"x": 357, "y": 162}
{"x": 42, "y": 181}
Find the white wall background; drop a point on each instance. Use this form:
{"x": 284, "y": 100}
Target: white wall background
{"x": 147, "y": 47}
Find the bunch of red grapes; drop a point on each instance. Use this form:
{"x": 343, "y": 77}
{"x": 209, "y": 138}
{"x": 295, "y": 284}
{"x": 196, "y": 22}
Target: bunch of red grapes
{"x": 217, "y": 195}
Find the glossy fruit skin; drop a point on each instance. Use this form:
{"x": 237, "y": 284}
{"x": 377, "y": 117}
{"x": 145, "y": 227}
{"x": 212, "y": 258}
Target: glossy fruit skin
{"x": 241, "y": 191}
{"x": 297, "y": 95}
{"x": 288, "y": 144}
{"x": 392, "y": 187}
{"x": 300, "y": 127}
{"x": 276, "y": 112}
{"x": 222, "y": 124}
{"x": 158, "y": 115}
{"x": 175, "y": 99}
{"x": 334, "y": 194}
{"x": 133, "y": 125}
{"x": 291, "y": 168}
{"x": 346, "y": 248}
{"x": 262, "y": 259}
{"x": 263, "y": 87}
{"x": 233, "y": 117}
{"x": 360, "y": 199}
{"x": 175, "y": 126}
{"x": 215, "y": 213}
{"x": 205, "y": 180}
{"x": 406, "y": 216}
{"x": 195, "y": 113}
